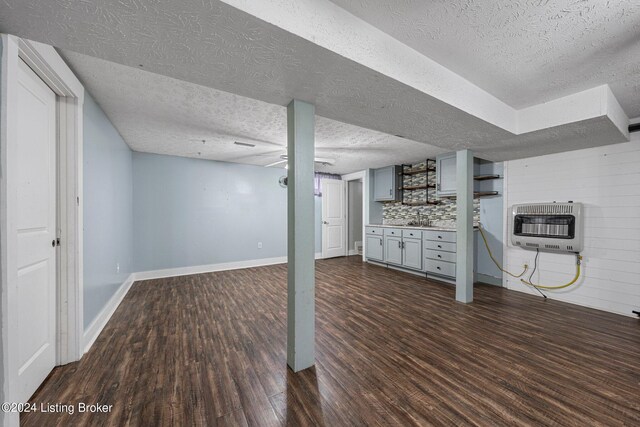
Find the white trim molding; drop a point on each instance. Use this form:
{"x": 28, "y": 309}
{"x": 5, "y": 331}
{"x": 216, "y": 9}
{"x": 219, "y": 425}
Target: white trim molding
{"x": 97, "y": 325}
{"x": 50, "y": 67}
{"x": 210, "y": 268}
{"x": 207, "y": 268}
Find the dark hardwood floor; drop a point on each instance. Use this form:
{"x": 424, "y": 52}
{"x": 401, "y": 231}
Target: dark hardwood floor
{"x": 392, "y": 349}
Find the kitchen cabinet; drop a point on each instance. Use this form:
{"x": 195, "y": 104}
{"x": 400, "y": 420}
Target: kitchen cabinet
{"x": 385, "y": 184}
{"x": 374, "y": 247}
{"x": 440, "y": 253}
{"x": 412, "y": 253}
{"x": 446, "y": 175}
{"x": 393, "y": 249}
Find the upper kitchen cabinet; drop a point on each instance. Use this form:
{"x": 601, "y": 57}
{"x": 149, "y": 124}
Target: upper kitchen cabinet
{"x": 385, "y": 184}
{"x": 446, "y": 175}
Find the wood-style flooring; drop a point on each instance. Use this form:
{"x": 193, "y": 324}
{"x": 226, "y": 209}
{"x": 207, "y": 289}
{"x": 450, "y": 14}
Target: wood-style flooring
{"x": 393, "y": 349}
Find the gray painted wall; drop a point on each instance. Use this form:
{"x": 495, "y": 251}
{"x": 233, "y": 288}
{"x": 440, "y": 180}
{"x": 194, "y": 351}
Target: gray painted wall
{"x": 491, "y": 217}
{"x": 108, "y": 210}
{"x": 190, "y": 212}
{"x": 355, "y": 213}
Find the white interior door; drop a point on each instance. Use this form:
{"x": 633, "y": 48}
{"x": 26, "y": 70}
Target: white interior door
{"x": 334, "y": 218}
{"x": 34, "y": 306}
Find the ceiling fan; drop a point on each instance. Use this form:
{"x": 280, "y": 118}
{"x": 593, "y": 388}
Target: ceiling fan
{"x": 321, "y": 160}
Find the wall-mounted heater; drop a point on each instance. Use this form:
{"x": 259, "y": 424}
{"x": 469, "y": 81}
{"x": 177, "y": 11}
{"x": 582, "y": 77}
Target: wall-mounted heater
{"x": 548, "y": 226}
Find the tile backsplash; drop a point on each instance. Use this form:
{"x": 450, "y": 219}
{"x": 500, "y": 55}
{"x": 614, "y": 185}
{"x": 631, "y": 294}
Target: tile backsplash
{"x": 442, "y": 214}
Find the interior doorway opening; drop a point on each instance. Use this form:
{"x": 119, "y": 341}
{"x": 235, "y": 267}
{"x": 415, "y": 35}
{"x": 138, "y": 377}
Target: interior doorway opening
{"x": 354, "y": 217}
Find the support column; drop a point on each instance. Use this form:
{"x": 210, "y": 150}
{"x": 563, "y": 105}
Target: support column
{"x": 464, "y": 226}
{"x": 301, "y": 235}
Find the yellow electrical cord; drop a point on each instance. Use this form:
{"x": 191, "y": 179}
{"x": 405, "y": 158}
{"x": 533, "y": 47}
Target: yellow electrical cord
{"x": 575, "y": 279}
{"x": 494, "y": 260}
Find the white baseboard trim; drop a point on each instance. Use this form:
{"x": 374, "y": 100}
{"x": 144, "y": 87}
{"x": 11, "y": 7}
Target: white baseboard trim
{"x": 210, "y": 268}
{"x": 207, "y": 268}
{"x": 98, "y": 324}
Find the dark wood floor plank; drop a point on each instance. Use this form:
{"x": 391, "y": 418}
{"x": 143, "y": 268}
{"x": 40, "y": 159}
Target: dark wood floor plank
{"x": 392, "y": 349}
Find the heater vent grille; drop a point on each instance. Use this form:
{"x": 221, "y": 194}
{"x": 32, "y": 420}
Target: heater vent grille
{"x": 545, "y": 209}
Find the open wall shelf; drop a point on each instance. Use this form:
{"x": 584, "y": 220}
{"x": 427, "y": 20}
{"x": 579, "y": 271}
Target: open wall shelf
{"x": 486, "y": 177}
{"x": 423, "y": 184}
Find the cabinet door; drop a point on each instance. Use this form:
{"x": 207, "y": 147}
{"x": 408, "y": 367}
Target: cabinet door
{"x": 446, "y": 175}
{"x": 412, "y": 253}
{"x": 374, "y": 249}
{"x": 383, "y": 184}
{"x": 393, "y": 250}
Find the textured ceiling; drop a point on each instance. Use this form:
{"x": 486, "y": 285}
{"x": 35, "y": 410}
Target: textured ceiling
{"x": 211, "y": 44}
{"x": 159, "y": 114}
{"x": 524, "y": 52}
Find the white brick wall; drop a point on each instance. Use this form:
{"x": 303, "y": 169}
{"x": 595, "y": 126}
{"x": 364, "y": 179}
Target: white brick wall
{"x": 607, "y": 181}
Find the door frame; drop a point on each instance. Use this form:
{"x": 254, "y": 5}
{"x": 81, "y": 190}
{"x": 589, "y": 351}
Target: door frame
{"x": 49, "y": 66}
{"x": 363, "y": 177}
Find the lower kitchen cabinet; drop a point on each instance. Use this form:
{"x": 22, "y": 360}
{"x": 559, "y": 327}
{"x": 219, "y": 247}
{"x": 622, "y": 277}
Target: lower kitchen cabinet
{"x": 374, "y": 248}
{"x": 393, "y": 250}
{"x": 412, "y": 253}
{"x": 440, "y": 253}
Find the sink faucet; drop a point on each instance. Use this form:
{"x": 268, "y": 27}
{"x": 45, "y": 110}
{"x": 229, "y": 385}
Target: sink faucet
{"x": 422, "y": 222}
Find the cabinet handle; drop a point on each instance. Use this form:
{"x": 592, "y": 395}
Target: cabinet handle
{"x": 380, "y": 242}
{"x": 439, "y": 237}
{"x": 439, "y": 256}
{"x": 438, "y": 268}
{"x": 390, "y": 191}
{"x": 440, "y": 246}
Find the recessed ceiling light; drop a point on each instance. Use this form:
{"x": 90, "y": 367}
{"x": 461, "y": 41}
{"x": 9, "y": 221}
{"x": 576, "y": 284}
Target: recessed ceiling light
{"x": 244, "y": 144}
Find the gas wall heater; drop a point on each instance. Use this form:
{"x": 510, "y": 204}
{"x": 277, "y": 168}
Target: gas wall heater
{"x": 548, "y": 226}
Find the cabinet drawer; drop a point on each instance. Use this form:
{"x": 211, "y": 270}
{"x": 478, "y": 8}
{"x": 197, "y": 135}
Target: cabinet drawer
{"x": 374, "y": 230}
{"x": 440, "y": 255}
{"x": 440, "y": 236}
{"x": 414, "y": 234}
{"x": 441, "y": 267}
{"x": 393, "y": 232}
{"x": 440, "y": 246}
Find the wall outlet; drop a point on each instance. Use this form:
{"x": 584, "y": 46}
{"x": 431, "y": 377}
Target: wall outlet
{"x": 117, "y": 267}
{"x": 259, "y": 245}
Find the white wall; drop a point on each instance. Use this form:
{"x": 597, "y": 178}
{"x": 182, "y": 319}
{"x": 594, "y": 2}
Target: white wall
{"x": 607, "y": 181}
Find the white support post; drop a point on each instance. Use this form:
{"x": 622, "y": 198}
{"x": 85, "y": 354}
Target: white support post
{"x": 301, "y": 235}
{"x": 464, "y": 226}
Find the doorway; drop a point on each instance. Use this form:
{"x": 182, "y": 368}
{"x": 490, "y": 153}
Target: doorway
{"x": 334, "y": 218}
{"x": 354, "y": 217}
{"x": 41, "y": 221}
{"x": 35, "y": 231}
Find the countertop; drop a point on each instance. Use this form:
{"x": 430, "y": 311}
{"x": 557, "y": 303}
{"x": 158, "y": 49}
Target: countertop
{"x": 416, "y": 227}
